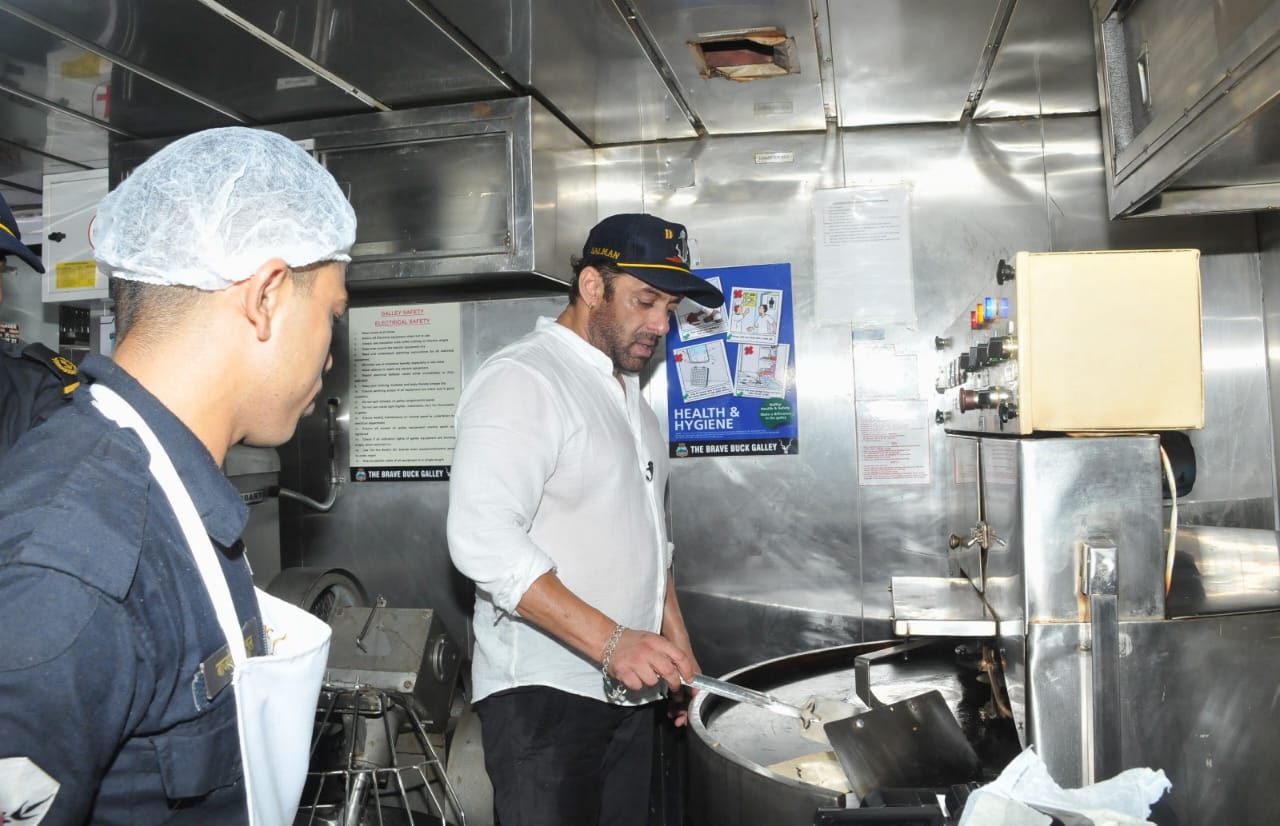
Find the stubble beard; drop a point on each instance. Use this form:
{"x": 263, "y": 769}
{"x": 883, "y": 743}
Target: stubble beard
{"x": 603, "y": 329}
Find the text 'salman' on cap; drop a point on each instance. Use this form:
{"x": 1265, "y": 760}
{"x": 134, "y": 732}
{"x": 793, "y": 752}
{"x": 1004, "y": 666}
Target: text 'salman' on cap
{"x": 654, "y": 251}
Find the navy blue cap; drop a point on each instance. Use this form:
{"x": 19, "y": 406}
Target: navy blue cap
{"x": 653, "y": 250}
{"x": 11, "y": 239}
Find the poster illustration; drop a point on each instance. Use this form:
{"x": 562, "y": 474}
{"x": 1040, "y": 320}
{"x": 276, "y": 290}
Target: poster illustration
{"x": 703, "y": 370}
{"x": 762, "y": 370}
{"x": 730, "y": 378}
{"x": 753, "y": 315}
{"x": 694, "y": 321}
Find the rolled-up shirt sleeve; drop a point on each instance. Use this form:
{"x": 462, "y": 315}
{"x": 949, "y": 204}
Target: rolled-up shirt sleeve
{"x": 509, "y": 430}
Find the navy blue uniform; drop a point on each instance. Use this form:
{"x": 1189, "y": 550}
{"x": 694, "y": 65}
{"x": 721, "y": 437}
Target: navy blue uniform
{"x": 34, "y": 382}
{"x": 106, "y": 620}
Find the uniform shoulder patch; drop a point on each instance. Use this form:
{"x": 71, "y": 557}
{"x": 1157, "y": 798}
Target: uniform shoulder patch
{"x": 60, "y": 366}
{"x": 26, "y": 792}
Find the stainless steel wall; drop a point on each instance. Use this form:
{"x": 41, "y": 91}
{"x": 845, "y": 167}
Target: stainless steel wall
{"x": 782, "y": 554}
{"x": 1269, "y": 264}
{"x": 391, "y": 535}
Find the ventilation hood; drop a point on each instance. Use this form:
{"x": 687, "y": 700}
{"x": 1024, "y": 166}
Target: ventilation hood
{"x": 1189, "y": 92}
{"x": 492, "y": 194}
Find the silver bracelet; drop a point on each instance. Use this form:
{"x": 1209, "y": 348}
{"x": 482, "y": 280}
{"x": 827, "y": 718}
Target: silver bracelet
{"x": 614, "y": 689}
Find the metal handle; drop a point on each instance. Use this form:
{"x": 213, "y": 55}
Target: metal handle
{"x": 380, "y": 602}
{"x": 752, "y": 697}
{"x": 1100, "y": 582}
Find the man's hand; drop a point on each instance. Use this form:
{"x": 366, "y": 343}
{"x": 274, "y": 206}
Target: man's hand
{"x": 641, "y": 660}
{"x": 678, "y": 708}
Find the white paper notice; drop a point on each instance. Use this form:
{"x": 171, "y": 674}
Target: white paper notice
{"x": 862, "y": 256}
{"x": 880, "y": 372}
{"x": 893, "y": 443}
{"x": 406, "y": 377}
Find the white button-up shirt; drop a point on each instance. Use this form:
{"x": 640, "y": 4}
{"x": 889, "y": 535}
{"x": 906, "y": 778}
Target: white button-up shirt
{"x": 556, "y": 468}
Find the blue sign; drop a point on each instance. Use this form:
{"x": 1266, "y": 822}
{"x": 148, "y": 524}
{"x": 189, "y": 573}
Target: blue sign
{"x": 731, "y": 369}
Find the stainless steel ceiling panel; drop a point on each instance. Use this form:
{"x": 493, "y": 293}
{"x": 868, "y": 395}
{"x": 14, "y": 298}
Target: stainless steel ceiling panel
{"x": 198, "y": 50}
{"x": 1045, "y": 65}
{"x": 909, "y": 61}
{"x": 499, "y": 28}
{"x": 51, "y": 137}
{"x": 27, "y": 54}
{"x": 388, "y": 49}
{"x": 148, "y": 109}
{"x": 29, "y": 140}
{"x": 783, "y": 103}
{"x": 49, "y": 68}
{"x": 17, "y": 160}
{"x": 590, "y": 66}
{"x": 579, "y": 57}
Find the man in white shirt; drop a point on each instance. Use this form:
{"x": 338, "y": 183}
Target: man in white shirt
{"x": 556, "y": 514}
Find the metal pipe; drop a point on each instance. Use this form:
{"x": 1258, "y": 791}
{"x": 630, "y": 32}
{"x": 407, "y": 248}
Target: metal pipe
{"x": 334, "y": 479}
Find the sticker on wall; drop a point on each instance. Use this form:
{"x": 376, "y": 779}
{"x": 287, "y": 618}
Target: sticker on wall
{"x": 731, "y": 388}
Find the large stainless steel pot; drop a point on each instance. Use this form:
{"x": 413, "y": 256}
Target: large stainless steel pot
{"x": 733, "y": 745}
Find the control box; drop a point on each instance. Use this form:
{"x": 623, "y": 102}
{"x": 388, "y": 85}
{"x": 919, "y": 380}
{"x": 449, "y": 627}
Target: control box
{"x": 70, "y": 204}
{"x": 1105, "y": 341}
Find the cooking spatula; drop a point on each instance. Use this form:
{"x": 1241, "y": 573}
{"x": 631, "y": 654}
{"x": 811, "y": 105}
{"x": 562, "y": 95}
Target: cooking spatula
{"x": 752, "y": 697}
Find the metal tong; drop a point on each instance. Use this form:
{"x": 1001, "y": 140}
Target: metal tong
{"x": 805, "y": 714}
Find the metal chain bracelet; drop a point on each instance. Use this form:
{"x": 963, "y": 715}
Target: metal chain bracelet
{"x": 615, "y": 690}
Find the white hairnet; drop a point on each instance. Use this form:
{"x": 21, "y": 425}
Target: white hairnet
{"x": 210, "y": 209}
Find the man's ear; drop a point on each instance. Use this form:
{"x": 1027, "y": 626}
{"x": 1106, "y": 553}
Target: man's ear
{"x": 263, "y": 293}
{"x": 591, "y": 286}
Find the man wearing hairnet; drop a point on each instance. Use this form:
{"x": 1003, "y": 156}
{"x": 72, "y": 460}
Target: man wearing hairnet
{"x": 142, "y": 678}
{"x": 34, "y": 380}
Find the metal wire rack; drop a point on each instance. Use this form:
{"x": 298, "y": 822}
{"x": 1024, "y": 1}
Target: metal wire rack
{"x": 373, "y": 763}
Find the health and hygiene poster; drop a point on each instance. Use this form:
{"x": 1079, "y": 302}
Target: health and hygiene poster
{"x": 731, "y": 369}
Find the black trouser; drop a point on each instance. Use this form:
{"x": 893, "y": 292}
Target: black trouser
{"x": 557, "y": 759}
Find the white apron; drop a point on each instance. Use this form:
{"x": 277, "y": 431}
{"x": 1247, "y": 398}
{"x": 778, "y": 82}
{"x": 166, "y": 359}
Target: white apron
{"x": 275, "y": 693}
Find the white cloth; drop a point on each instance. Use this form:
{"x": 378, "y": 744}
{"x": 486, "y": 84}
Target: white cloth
{"x": 1024, "y": 793}
{"x": 555, "y": 467}
{"x": 276, "y": 692}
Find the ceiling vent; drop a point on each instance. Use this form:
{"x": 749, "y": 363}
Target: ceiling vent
{"x": 750, "y": 54}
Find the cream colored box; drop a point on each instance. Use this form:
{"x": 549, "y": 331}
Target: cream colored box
{"x": 1108, "y": 341}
